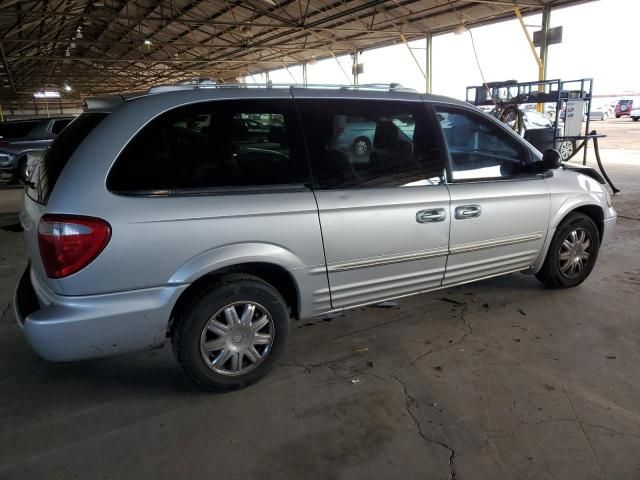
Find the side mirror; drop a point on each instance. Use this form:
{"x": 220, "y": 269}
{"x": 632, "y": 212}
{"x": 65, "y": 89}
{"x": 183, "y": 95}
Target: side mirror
{"x": 551, "y": 159}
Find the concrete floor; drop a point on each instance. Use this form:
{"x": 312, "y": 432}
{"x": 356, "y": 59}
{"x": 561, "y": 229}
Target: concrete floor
{"x": 501, "y": 379}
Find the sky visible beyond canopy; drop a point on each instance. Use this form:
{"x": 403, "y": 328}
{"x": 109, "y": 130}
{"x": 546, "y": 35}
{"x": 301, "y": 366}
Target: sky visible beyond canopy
{"x": 601, "y": 40}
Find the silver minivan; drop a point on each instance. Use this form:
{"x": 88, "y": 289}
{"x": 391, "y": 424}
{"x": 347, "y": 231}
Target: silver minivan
{"x": 213, "y": 216}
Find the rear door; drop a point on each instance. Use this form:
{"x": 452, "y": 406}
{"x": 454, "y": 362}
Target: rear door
{"x": 384, "y": 210}
{"x": 499, "y": 207}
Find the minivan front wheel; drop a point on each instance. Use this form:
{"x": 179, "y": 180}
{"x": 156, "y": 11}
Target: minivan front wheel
{"x": 232, "y": 334}
{"x": 572, "y": 254}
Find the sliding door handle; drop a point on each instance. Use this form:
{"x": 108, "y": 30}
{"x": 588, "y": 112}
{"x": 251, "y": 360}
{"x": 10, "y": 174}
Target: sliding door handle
{"x": 432, "y": 215}
{"x": 467, "y": 211}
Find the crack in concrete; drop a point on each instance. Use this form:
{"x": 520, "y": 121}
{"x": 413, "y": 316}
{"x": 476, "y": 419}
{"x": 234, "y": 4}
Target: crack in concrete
{"x": 584, "y": 433}
{"x": 469, "y": 331}
{"x": 408, "y": 401}
{"x": 4, "y": 311}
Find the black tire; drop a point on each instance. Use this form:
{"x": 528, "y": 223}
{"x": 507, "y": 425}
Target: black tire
{"x": 196, "y": 314}
{"x": 361, "y": 146}
{"x": 551, "y": 273}
{"x": 617, "y": 116}
{"x": 635, "y": 119}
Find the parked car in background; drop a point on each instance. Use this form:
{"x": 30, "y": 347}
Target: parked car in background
{"x": 26, "y": 137}
{"x": 635, "y": 114}
{"x": 354, "y": 135}
{"x": 623, "y": 108}
{"x": 601, "y": 112}
{"x": 534, "y": 120}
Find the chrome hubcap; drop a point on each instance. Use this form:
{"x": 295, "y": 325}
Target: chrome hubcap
{"x": 361, "y": 147}
{"x": 575, "y": 252}
{"x": 237, "y": 338}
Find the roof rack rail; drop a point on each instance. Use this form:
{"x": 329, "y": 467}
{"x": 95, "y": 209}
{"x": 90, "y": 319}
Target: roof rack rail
{"x": 206, "y": 83}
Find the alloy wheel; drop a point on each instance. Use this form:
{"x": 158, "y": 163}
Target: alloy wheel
{"x": 361, "y": 147}
{"x": 237, "y": 338}
{"x": 566, "y": 150}
{"x": 575, "y": 253}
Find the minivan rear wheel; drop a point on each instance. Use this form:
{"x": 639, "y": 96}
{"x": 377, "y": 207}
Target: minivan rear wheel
{"x": 232, "y": 334}
{"x": 572, "y": 254}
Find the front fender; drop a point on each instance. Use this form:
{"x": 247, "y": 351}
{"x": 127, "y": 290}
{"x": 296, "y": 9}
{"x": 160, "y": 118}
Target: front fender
{"x": 592, "y": 199}
{"x": 234, "y": 254}
{"x": 568, "y": 206}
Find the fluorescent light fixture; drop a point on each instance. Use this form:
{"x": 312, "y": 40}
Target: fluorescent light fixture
{"x": 147, "y": 42}
{"x": 67, "y": 87}
{"x": 46, "y": 94}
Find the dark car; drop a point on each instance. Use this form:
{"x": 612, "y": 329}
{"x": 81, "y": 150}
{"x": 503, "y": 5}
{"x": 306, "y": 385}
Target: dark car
{"x": 623, "y": 107}
{"x": 22, "y": 138}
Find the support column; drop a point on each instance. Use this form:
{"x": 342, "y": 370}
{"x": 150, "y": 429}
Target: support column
{"x": 354, "y": 67}
{"x": 544, "y": 46}
{"x": 429, "y": 62}
{"x": 304, "y": 74}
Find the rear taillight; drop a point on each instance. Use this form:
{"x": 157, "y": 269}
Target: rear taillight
{"x": 69, "y": 243}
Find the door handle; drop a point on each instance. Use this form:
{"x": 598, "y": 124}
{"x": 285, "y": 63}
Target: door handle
{"x": 432, "y": 215}
{"x": 467, "y": 211}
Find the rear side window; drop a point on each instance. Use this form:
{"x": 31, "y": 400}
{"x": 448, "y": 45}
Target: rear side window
{"x": 480, "y": 149}
{"x": 371, "y": 144}
{"x": 58, "y": 126}
{"x": 214, "y": 145}
{"x": 55, "y": 158}
{"x": 17, "y": 129}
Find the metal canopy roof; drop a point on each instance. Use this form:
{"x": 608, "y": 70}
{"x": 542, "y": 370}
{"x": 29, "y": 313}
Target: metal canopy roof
{"x": 108, "y": 46}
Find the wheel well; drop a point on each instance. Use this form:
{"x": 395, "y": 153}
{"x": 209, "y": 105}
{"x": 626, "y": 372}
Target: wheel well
{"x": 275, "y": 275}
{"x": 596, "y": 214}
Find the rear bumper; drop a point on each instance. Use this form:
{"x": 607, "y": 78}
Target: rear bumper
{"x": 62, "y": 328}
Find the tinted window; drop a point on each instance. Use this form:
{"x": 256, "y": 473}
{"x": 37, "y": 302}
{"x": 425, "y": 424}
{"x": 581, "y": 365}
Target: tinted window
{"x": 17, "y": 129}
{"x": 367, "y": 144}
{"x": 220, "y": 144}
{"x": 55, "y": 158}
{"x": 481, "y": 149}
{"x": 59, "y": 125}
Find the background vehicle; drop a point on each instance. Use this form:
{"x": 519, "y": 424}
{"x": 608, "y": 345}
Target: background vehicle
{"x": 623, "y": 107}
{"x": 26, "y": 137}
{"x": 635, "y": 114}
{"x": 143, "y": 224}
{"x": 534, "y": 120}
{"x": 600, "y": 113}
{"x": 356, "y": 135}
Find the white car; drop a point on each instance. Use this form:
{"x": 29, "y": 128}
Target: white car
{"x": 635, "y": 114}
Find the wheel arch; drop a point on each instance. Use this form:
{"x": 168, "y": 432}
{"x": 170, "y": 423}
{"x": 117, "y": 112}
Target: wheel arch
{"x": 275, "y": 275}
{"x": 588, "y": 208}
{"x": 272, "y": 263}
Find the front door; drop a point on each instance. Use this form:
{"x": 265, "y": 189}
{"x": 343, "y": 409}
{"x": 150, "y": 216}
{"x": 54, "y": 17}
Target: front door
{"x": 384, "y": 208}
{"x": 499, "y": 207}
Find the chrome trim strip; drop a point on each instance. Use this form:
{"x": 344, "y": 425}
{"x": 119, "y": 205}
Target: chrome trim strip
{"x": 441, "y": 287}
{"x": 379, "y": 261}
{"x": 498, "y": 242}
